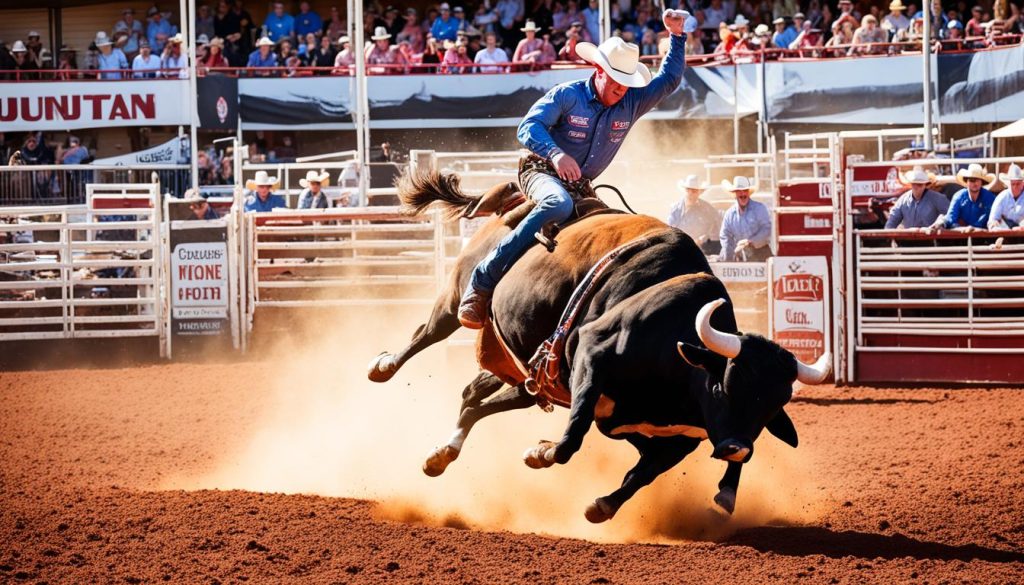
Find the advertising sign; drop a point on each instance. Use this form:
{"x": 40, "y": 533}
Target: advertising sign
{"x": 800, "y": 305}
{"x": 199, "y": 281}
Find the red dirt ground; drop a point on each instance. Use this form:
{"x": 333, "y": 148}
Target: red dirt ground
{"x": 922, "y": 486}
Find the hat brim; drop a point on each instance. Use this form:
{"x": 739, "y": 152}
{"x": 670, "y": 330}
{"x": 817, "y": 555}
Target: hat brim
{"x": 928, "y": 180}
{"x": 728, "y": 186}
{"x": 381, "y": 38}
{"x": 323, "y": 179}
{"x": 590, "y": 53}
{"x": 682, "y": 186}
{"x": 1007, "y": 178}
{"x": 251, "y": 184}
{"x": 962, "y": 176}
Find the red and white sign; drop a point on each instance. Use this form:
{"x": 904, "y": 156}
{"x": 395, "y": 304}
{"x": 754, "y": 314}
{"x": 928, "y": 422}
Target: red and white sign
{"x": 199, "y": 278}
{"x": 799, "y": 298}
{"x": 69, "y": 105}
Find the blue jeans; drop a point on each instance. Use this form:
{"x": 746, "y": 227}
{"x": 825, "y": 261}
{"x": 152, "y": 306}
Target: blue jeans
{"x": 553, "y": 203}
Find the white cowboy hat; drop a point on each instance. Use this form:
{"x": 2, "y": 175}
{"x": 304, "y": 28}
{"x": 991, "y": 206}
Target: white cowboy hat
{"x": 691, "y": 182}
{"x": 916, "y": 175}
{"x": 262, "y": 178}
{"x": 176, "y": 40}
{"x": 265, "y": 42}
{"x": 19, "y": 47}
{"x": 762, "y": 29}
{"x": 738, "y": 183}
{"x": 741, "y": 20}
{"x": 202, "y": 40}
{"x": 102, "y": 39}
{"x": 193, "y": 196}
{"x": 343, "y": 39}
{"x": 619, "y": 59}
{"x": 531, "y": 25}
{"x": 974, "y": 171}
{"x": 314, "y": 177}
{"x": 1014, "y": 173}
{"x": 896, "y": 6}
{"x": 380, "y": 34}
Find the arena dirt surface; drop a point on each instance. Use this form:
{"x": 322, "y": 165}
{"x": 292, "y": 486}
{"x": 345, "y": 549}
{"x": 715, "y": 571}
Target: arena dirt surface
{"x": 917, "y": 486}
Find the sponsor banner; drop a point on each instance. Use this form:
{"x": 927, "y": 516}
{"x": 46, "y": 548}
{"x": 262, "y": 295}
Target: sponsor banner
{"x": 27, "y": 106}
{"x": 199, "y": 284}
{"x": 740, "y": 271}
{"x": 217, "y": 103}
{"x": 800, "y": 305}
{"x": 171, "y": 152}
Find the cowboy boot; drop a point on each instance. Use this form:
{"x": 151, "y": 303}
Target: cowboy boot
{"x": 473, "y": 309}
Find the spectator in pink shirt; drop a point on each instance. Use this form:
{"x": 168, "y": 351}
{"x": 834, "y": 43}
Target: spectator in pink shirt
{"x": 456, "y": 58}
{"x": 533, "y": 50}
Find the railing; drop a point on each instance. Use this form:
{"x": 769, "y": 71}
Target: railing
{"x": 91, "y": 74}
{"x": 66, "y": 184}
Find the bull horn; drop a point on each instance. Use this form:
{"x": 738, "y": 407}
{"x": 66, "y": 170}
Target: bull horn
{"x": 724, "y": 344}
{"x": 814, "y": 374}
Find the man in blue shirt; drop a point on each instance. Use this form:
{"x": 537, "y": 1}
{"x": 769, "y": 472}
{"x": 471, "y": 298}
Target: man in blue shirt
{"x": 158, "y": 30}
{"x": 746, "y": 227}
{"x": 920, "y": 206}
{"x": 574, "y": 132}
{"x": 971, "y": 205}
{"x": 263, "y": 56}
{"x": 111, "y": 61}
{"x": 307, "y": 21}
{"x": 445, "y": 27}
{"x": 784, "y": 35}
{"x": 260, "y": 198}
{"x": 279, "y": 25}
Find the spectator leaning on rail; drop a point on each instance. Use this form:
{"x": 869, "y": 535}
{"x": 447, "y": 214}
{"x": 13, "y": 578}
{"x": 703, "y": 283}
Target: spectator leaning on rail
{"x": 174, "y": 61}
{"x": 784, "y": 35}
{"x": 919, "y": 207}
{"x": 746, "y": 227}
{"x": 1008, "y": 209}
{"x": 158, "y": 30}
{"x": 146, "y": 64}
{"x": 533, "y": 50}
{"x": 263, "y": 56}
{"x": 76, "y": 154}
{"x": 574, "y": 132}
{"x": 490, "y": 58}
{"x": 200, "y": 207}
{"x": 260, "y": 197}
{"x": 696, "y": 217}
{"x": 279, "y": 24}
{"x": 345, "y": 58}
{"x": 867, "y": 37}
{"x": 312, "y": 195}
{"x": 111, "y": 60}
{"x": 970, "y": 207}
{"x": 382, "y": 57}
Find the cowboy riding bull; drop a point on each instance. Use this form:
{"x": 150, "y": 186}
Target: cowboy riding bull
{"x": 638, "y": 345}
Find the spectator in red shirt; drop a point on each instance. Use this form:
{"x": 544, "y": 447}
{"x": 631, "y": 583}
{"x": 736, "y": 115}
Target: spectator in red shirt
{"x": 215, "y": 55}
{"x": 974, "y": 25}
{"x": 456, "y": 57}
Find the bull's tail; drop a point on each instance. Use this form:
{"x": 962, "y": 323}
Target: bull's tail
{"x": 419, "y": 191}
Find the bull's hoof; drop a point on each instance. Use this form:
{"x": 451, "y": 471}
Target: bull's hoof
{"x": 439, "y": 459}
{"x": 599, "y": 511}
{"x": 726, "y": 500}
{"x": 731, "y": 451}
{"x": 541, "y": 456}
{"x": 382, "y": 368}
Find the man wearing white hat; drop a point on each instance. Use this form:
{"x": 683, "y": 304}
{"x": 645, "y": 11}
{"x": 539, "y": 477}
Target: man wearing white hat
{"x": 1008, "y": 209}
{"x": 971, "y": 205}
{"x": 531, "y": 49}
{"x": 573, "y": 133}
{"x": 746, "y": 227}
{"x": 111, "y": 60}
{"x": 260, "y": 197}
{"x": 383, "y": 56}
{"x": 696, "y": 217}
{"x": 312, "y": 195}
{"x": 920, "y": 206}
{"x": 895, "y": 21}
{"x": 264, "y": 55}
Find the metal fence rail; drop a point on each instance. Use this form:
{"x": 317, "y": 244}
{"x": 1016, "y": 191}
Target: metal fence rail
{"x": 66, "y": 184}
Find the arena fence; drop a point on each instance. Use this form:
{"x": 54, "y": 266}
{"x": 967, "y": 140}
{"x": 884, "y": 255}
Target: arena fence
{"x": 84, "y": 271}
{"x": 66, "y": 184}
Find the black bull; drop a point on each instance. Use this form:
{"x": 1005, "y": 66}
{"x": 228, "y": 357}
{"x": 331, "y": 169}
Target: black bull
{"x": 624, "y": 365}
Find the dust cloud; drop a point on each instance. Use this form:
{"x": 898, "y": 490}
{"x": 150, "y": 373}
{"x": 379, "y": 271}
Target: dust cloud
{"x": 329, "y": 431}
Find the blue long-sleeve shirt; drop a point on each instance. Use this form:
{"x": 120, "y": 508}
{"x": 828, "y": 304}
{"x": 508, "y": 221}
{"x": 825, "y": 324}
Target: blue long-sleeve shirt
{"x": 254, "y": 203}
{"x": 964, "y": 212}
{"x": 279, "y": 27}
{"x": 754, "y": 224}
{"x": 309, "y": 22}
{"x": 445, "y": 31}
{"x": 571, "y": 119}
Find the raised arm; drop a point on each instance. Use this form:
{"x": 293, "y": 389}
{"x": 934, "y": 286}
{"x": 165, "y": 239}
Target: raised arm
{"x": 679, "y": 23}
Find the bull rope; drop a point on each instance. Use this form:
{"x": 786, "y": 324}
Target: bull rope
{"x": 619, "y": 193}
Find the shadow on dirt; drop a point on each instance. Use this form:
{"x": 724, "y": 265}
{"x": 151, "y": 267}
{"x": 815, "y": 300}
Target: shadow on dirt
{"x": 799, "y": 541}
{"x": 856, "y": 401}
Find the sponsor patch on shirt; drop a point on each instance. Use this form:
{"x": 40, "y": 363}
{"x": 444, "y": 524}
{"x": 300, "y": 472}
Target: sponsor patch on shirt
{"x": 579, "y": 121}
{"x": 616, "y": 136}
{"x": 577, "y": 134}
{"x": 619, "y": 124}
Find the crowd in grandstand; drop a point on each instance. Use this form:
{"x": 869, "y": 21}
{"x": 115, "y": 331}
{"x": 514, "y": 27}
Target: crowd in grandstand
{"x": 485, "y": 35}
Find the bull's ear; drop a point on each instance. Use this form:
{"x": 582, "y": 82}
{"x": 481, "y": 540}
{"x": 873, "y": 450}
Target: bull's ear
{"x": 698, "y": 357}
{"x": 782, "y": 427}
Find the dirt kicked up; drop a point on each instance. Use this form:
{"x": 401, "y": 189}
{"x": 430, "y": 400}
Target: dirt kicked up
{"x": 293, "y": 472}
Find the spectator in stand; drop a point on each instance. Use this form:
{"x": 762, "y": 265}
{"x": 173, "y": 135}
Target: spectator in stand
{"x": 746, "y": 227}
{"x": 75, "y": 154}
{"x": 382, "y": 57}
{"x": 110, "y": 60}
{"x": 411, "y": 31}
{"x": 573, "y": 36}
{"x": 323, "y": 55}
{"x": 312, "y": 195}
{"x": 200, "y": 207}
{"x": 146, "y": 65}
{"x": 226, "y": 174}
{"x": 974, "y": 25}
{"x": 263, "y": 56}
{"x": 970, "y": 207}
{"x": 696, "y": 217}
{"x": 24, "y": 67}
{"x": 539, "y": 52}
{"x": 247, "y": 25}
{"x": 67, "y": 63}
{"x": 808, "y": 42}
{"x": 279, "y": 24}
{"x": 345, "y": 58}
{"x": 895, "y": 21}
{"x": 842, "y": 36}
{"x": 204, "y": 22}
{"x": 490, "y": 58}
{"x": 307, "y": 45}
{"x": 648, "y": 44}
{"x": 866, "y": 37}
{"x": 174, "y": 61}
{"x": 1008, "y": 208}
{"x": 202, "y": 48}
{"x": 35, "y": 152}
{"x": 35, "y": 49}
{"x": 471, "y": 36}
{"x": 694, "y": 43}
{"x": 307, "y": 21}
{"x": 714, "y": 15}
{"x": 784, "y": 8}
{"x": 260, "y": 197}
{"x": 485, "y": 17}
{"x": 456, "y": 59}
{"x": 130, "y": 30}
{"x": 591, "y": 19}
{"x": 954, "y": 40}
{"x": 215, "y": 55}
{"x": 784, "y": 35}
{"x": 848, "y": 14}
{"x": 919, "y": 207}
{"x": 335, "y": 27}
{"x": 392, "y": 22}
{"x": 226, "y": 26}
{"x": 158, "y": 30}
{"x": 510, "y": 14}
{"x": 446, "y": 27}
{"x": 727, "y": 40}
{"x": 431, "y": 57}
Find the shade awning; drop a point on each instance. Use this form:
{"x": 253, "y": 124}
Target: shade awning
{"x": 1010, "y": 130}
